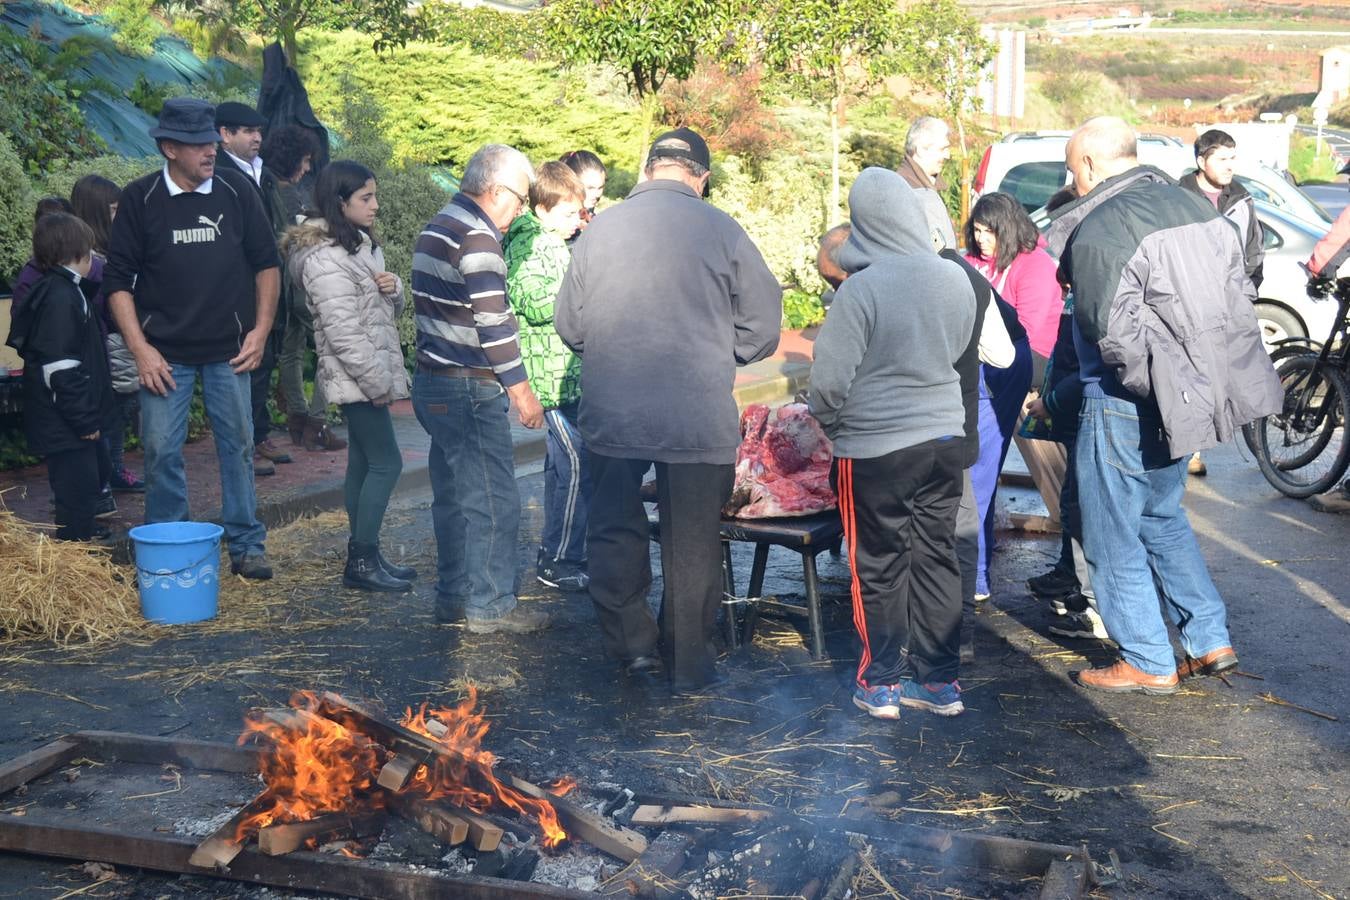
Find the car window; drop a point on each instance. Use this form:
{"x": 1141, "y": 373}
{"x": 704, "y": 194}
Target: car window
{"x": 1034, "y": 183}
{"x": 1259, "y": 192}
{"x": 1270, "y": 238}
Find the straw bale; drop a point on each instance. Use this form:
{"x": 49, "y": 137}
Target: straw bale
{"x": 61, "y": 591}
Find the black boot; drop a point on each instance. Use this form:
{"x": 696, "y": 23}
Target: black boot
{"x": 407, "y": 573}
{"x": 364, "y": 573}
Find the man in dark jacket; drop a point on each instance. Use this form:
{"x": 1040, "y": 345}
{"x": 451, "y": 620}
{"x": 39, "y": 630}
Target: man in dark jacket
{"x": 1215, "y": 159}
{"x": 665, "y": 296}
{"x": 192, "y": 281}
{"x": 1171, "y": 360}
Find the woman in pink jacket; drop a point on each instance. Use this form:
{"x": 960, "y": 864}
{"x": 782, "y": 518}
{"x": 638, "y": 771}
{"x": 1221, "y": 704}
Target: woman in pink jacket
{"x": 1003, "y": 244}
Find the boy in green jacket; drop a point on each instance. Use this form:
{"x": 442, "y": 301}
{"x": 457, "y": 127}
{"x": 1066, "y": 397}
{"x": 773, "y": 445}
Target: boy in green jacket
{"x": 536, "y": 261}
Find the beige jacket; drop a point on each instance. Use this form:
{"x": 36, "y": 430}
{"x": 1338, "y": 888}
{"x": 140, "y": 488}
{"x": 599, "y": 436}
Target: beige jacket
{"x": 354, "y": 324}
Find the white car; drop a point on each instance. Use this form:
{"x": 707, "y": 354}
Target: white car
{"x": 1030, "y": 166}
{"x": 1283, "y": 306}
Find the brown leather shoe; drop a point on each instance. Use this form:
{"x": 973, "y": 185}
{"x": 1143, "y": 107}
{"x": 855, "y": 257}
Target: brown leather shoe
{"x": 269, "y": 450}
{"x": 1212, "y": 663}
{"x": 1121, "y": 678}
{"x": 295, "y": 427}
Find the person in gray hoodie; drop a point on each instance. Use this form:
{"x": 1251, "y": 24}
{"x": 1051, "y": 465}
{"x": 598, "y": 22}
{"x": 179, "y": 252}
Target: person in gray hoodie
{"x": 885, "y": 388}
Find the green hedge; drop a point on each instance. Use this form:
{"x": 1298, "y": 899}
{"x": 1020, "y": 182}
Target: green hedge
{"x": 16, "y": 212}
{"x": 439, "y": 104}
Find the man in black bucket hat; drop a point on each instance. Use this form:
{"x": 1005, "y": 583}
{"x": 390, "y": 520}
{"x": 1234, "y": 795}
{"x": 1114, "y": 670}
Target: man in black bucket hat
{"x": 192, "y": 281}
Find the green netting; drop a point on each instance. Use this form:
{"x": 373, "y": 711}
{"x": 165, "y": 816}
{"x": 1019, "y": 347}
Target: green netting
{"x": 116, "y": 119}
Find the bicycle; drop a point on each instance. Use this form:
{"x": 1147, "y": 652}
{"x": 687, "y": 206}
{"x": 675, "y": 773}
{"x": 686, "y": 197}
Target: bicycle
{"x": 1304, "y": 449}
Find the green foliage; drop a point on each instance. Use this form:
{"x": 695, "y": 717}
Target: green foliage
{"x": 824, "y": 49}
{"x": 16, "y": 212}
{"x": 440, "y": 104}
{"x": 784, "y": 213}
{"x": 485, "y": 30}
{"x": 801, "y": 309}
{"x": 944, "y": 51}
{"x": 13, "y": 447}
{"x": 118, "y": 169}
{"x": 135, "y": 27}
{"x": 1081, "y": 93}
{"x": 1306, "y": 164}
{"x": 150, "y": 95}
{"x": 647, "y": 40}
{"x": 37, "y": 103}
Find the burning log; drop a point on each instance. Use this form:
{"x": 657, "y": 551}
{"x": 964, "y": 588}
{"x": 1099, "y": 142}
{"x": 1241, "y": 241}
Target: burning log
{"x": 275, "y": 840}
{"x": 483, "y": 834}
{"x": 474, "y": 768}
{"x": 399, "y": 771}
{"x": 434, "y": 818}
{"x": 669, "y": 815}
{"x": 224, "y": 844}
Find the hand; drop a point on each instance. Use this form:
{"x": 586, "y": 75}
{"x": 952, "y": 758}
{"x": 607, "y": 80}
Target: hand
{"x": 90, "y": 437}
{"x": 380, "y": 403}
{"x": 528, "y": 410}
{"x": 387, "y": 282}
{"x": 1036, "y": 409}
{"x": 250, "y": 353}
{"x": 156, "y": 375}
{"x": 1319, "y": 286}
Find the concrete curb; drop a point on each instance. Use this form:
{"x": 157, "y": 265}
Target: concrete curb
{"x": 794, "y": 377}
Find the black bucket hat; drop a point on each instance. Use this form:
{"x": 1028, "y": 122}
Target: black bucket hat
{"x": 188, "y": 121}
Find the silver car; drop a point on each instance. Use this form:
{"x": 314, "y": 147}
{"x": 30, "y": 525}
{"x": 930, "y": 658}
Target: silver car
{"x": 1283, "y": 306}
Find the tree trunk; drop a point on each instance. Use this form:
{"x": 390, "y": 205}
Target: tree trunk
{"x": 288, "y": 42}
{"x": 834, "y": 160}
{"x": 965, "y": 174}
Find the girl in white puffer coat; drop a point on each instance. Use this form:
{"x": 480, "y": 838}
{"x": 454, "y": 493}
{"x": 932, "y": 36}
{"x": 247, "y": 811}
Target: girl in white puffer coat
{"x": 336, "y": 260}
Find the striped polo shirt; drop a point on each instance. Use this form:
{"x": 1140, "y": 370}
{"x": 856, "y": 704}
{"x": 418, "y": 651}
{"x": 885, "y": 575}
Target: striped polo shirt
{"x": 459, "y": 295}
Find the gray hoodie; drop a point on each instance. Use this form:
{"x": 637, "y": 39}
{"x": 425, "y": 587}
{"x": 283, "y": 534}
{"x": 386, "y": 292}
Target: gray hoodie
{"x": 884, "y": 376}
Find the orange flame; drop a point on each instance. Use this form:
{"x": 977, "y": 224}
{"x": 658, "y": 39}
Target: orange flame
{"x": 317, "y": 766}
{"x": 461, "y": 730}
{"x": 563, "y": 786}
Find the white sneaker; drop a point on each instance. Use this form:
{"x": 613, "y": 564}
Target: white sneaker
{"x": 1085, "y": 624}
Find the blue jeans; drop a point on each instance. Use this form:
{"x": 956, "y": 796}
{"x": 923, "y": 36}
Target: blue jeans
{"x": 164, "y": 425}
{"x": 475, "y": 509}
{"x": 1137, "y": 539}
{"x": 1002, "y": 392}
{"x": 567, "y": 488}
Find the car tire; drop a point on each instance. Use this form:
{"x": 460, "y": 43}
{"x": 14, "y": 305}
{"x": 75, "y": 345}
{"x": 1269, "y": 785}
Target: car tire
{"x": 1277, "y": 323}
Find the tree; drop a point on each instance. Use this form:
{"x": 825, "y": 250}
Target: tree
{"x": 828, "y": 50}
{"x": 944, "y": 52}
{"x": 647, "y": 41}
{"x": 387, "y": 21}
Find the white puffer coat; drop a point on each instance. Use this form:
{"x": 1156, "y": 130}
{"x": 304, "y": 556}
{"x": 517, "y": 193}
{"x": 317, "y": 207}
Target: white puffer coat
{"x": 354, "y": 324}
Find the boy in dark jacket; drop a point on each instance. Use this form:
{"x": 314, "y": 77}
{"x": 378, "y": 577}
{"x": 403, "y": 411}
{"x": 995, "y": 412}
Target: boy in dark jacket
{"x": 67, "y": 389}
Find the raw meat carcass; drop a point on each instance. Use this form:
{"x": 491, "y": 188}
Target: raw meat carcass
{"x": 782, "y": 466}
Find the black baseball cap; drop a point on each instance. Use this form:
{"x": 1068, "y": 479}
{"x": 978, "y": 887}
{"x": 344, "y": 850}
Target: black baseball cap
{"x": 238, "y": 115}
{"x": 682, "y": 143}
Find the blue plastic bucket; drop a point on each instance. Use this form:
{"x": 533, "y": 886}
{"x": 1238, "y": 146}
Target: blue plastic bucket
{"x": 177, "y": 569}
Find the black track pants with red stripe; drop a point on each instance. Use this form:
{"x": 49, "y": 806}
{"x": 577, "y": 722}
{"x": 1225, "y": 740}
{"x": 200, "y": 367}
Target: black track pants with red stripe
{"x": 899, "y": 514}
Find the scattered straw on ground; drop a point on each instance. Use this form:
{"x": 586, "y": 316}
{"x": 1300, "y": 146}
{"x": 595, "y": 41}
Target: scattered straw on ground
{"x": 61, "y": 591}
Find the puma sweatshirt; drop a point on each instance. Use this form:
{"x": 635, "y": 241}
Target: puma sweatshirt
{"x": 189, "y": 259}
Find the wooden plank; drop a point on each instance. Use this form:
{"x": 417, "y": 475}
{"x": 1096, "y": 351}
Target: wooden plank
{"x": 399, "y": 771}
{"x": 483, "y": 834}
{"x": 137, "y": 748}
{"x": 36, "y": 763}
{"x": 713, "y": 815}
{"x": 433, "y": 818}
{"x": 594, "y": 829}
{"x": 288, "y": 837}
{"x": 1065, "y": 879}
{"x": 579, "y": 822}
{"x": 652, "y": 874}
{"x": 303, "y": 870}
{"x": 220, "y": 847}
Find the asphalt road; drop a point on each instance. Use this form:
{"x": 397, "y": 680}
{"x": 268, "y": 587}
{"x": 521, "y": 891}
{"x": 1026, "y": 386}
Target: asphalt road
{"x": 1219, "y": 791}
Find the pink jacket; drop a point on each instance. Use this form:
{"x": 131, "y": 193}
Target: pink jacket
{"x": 1336, "y": 241}
{"x": 1030, "y": 287}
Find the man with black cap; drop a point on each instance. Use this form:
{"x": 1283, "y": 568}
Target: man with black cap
{"x": 240, "y": 127}
{"x": 192, "y": 280}
{"x": 665, "y": 296}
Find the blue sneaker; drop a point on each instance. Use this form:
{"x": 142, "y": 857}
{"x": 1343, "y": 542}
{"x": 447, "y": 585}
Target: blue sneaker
{"x": 937, "y": 697}
{"x": 879, "y": 701}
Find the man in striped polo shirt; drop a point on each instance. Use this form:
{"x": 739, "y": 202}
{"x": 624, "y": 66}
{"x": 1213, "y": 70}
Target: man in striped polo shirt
{"x": 469, "y": 373}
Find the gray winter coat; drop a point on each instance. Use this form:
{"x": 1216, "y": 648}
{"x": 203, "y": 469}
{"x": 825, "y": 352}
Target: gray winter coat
{"x": 1160, "y": 288}
{"x": 355, "y": 330}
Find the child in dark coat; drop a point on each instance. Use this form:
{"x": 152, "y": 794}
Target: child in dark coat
{"x": 67, "y": 395}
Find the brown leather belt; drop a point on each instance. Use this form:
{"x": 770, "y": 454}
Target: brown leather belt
{"x": 462, "y": 372}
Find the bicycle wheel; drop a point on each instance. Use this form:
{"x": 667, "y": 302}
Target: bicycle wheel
{"x": 1303, "y": 449}
{"x": 1288, "y": 349}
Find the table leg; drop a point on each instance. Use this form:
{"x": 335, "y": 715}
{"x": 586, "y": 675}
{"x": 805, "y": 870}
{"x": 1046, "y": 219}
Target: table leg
{"x": 729, "y": 623}
{"x": 813, "y": 605}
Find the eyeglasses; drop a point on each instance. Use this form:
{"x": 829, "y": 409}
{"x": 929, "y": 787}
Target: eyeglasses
{"x": 514, "y": 193}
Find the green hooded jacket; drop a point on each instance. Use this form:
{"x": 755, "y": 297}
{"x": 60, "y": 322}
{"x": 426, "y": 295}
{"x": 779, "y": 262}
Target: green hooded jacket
{"x": 536, "y": 261}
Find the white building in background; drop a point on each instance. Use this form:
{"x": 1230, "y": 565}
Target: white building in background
{"x": 1003, "y": 83}
{"x": 1333, "y": 81}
